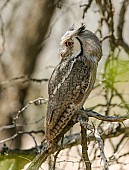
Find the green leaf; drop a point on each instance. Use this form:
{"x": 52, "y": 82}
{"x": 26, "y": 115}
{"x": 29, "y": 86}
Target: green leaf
{"x": 14, "y": 161}
{"x": 8, "y": 164}
{"x": 116, "y": 71}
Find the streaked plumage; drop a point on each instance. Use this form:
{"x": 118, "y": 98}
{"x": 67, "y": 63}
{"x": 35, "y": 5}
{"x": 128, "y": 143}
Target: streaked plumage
{"x": 72, "y": 80}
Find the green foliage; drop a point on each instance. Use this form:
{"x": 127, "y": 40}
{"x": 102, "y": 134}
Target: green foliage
{"x": 115, "y": 71}
{"x": 14, "y": 161}
{"x": 7, "y": 164}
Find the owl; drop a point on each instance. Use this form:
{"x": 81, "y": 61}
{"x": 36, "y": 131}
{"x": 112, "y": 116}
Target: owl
{"x": 72, "y": 80}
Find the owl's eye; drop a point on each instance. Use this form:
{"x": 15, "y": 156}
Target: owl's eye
{"x": 68, "y": 43}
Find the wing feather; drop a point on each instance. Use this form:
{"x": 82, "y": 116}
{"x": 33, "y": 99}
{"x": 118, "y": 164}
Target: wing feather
{"x": 68, "y": 84}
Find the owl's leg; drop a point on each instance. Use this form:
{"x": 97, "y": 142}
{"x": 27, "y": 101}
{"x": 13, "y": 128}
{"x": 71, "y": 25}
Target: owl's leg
{"x": 44, "y": 144}
{"x": 83, "y": 119}
{"x": 81, "y": 116}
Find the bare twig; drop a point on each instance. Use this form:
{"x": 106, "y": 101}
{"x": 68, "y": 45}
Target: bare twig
{"x": 21, "y": 79}
{"x": 22, "y": 133}
{"x": 8, "y": 139}
{"x": 87, "y": 6}
{"x": 101, "y": 147}
{"x": 120, "y": 26}
{"x": 37, "y": 101}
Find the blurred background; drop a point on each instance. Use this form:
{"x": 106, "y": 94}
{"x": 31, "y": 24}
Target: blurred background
{"x": 30, "y": 33}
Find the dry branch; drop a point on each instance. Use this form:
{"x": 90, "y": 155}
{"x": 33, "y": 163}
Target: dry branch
{"x": 40, "y": 158}
{"x": 121, "y": 24}
{"x": 101, "y": 148}
{"x": 85, "y": 147}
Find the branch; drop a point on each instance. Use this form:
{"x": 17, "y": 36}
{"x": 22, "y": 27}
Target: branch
{"x": 120, "y": 26}
{"x": 21, "y": 79}
{"x": 75, "y": 139}
{"x": 85, "y": 113}
{"x": 121, "y": 22}
{"x": 85, "y": 147}
{"x": 40, "y": 158}
{"x": 87, "y": 6}
{"x": 111, "y": 130}
{"x": 101, "y": 147}
{"x": 108, "y": 131}
{"x": 37, "y": 101}
{"x": 98, "y": 116}
{"x": 84, "y": 124}
{"x": 22, "y": 133}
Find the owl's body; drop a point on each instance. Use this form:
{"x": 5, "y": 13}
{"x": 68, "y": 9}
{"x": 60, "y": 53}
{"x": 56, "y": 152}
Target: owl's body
{"x": 70, "y": 85}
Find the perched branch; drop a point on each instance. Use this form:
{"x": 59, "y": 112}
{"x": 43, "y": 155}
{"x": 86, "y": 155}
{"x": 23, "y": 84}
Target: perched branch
{"x": 69, "y": 141}
{"x": 89, "y": 113}
{"x": 85, "y": 147}
{"x": 84, "y": 123}
{"x": 36, "y": 163}
{"x": 98, "y": 116}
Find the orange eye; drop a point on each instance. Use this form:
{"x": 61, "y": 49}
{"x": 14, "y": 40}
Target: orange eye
{"x": 67, "y": 43}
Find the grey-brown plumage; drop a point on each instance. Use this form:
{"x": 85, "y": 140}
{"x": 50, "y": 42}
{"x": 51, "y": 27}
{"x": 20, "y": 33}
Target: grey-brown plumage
{"x": 72, "y": 80}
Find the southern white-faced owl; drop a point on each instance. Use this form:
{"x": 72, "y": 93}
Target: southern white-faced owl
{"x": 72, "y": 80}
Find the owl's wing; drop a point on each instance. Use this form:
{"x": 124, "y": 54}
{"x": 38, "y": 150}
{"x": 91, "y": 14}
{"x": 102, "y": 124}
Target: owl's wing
{"x": 59, "y": 74}
{"x": 55, "y": 78}
{"x": 69, "y": 83}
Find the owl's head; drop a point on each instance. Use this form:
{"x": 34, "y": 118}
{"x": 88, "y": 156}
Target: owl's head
{"x": 67, "y": 43}
{"x": 89, "y": 43}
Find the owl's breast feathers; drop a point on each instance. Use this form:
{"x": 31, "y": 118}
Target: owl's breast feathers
{"x": 69, "y": 86}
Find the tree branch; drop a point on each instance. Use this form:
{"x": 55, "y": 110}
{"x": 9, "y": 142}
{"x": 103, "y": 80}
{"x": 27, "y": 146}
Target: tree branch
{"x": 120, "y": 26}
{"x": 85, "y": 147}
{"x": 98, "y": 116}
{"x": 40, "y": 158}
{"x": 101, "y": 147}
{"x": 87, "y": 6}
